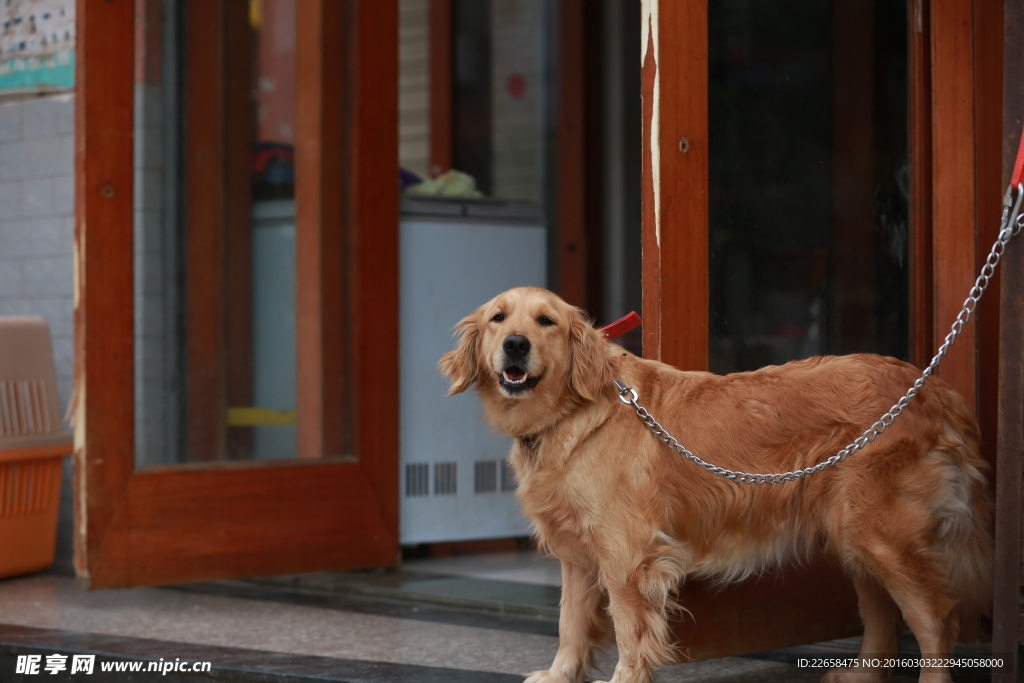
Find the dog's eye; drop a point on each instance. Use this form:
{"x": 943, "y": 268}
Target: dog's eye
{"x": 545, "y": 321}
{"x": 498, "y": 317}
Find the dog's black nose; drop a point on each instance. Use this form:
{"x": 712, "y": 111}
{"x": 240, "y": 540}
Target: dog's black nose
{"x": 516, "y": 346}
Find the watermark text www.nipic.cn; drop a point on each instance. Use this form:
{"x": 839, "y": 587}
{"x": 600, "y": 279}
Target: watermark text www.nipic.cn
{"x": 86, "y": 664}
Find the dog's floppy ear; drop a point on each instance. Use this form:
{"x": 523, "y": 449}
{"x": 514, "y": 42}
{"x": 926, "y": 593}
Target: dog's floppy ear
{"x": 590, "y": 371}
{"x": 460, "y": 364}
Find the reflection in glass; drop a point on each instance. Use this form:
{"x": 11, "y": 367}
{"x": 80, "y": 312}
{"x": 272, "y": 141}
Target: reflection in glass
{"x": 158, "y": 389}
{"x": 808, "y": 180}
{"x": 215, "y": 232}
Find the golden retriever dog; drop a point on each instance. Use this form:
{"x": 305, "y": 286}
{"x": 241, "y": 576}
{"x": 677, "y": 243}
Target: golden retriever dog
{"x": 908, "y": 517}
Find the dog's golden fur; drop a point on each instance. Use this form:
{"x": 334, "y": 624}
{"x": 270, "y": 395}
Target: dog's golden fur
{"x": 629, "y": 519}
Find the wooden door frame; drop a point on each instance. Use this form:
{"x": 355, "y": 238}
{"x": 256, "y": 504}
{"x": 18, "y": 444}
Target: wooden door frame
{"x": 674, "y": 178}
{"x": 218, "y": 272}
{"x": 953, "y": 98}
{"x": 1007, "y": 618}
{"x": 227, "y": 519}
{"x": 322, "y": 309}
{"x": 965, "y": 93}
{"x": 206, "y": 201}
{"x": 956, "y": 142}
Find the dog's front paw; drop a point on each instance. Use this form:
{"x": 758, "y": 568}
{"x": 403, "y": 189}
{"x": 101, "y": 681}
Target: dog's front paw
{"x": 854, "y": 676}
{"x": 547, "y": 677}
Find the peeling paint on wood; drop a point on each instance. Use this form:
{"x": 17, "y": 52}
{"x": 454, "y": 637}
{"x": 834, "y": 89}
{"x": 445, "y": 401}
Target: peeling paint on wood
{"x": 649, "y": 45}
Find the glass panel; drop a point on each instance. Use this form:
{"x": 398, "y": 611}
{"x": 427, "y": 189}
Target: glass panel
{"x": 809, "y": 180}
{"x": 505, "y": 84}
{"x": 158, "y": 389}
{"x": 272, "y": 342}
{"x": 215, "y": 232}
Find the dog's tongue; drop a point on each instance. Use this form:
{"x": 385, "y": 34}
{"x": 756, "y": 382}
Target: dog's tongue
{"x": 514, "y": 374}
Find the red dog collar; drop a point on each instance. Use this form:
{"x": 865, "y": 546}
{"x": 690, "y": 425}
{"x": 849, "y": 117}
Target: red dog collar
{"x": 622, "y": 325}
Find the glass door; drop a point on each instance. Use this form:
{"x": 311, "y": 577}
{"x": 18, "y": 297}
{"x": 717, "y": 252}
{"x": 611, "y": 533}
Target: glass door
{"x": 808, "y": 181}
{"x": 236, "y": 328}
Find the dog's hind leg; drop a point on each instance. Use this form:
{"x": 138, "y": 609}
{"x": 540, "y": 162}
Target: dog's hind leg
{"x": 916, "y": 580}
{"x": 581, "y": 625}
{"x": 883, "y": 623}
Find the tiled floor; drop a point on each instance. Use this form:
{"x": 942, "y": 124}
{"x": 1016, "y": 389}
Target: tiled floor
{"x": 415, "y": 626}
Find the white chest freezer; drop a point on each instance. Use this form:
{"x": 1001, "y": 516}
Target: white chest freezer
{"x": 455, "y": 256}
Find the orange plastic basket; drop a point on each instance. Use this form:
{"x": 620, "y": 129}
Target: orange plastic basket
{"x": 32, "y": 446}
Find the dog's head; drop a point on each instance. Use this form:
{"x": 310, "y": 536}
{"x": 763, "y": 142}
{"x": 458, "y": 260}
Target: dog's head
{"x": 528, "y": 345}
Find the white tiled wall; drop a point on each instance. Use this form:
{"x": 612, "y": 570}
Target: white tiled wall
{"x": 155, "y": 380}
{"x": 414, "y": 86}
{"x": 37, "y": 239}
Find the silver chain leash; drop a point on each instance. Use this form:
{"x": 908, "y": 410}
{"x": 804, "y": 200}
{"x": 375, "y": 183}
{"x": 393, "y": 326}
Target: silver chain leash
{"x": 1010, "y": 225}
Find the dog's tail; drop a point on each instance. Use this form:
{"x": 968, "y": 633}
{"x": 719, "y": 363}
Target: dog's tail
{"x": 964, "y": 532}
{"x": 970, "y": 571}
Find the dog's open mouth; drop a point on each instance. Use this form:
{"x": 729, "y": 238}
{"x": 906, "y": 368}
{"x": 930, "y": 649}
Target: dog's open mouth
{"x": 516, "y": 380}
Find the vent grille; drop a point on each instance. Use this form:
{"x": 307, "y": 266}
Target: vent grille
{"x": 23, "y": 408}
{"x": 26, "y": 487}
{"x": 444, "y": 478}
{"x": 488, "y": 477}
{"x": 417, "y": 479}
{"x": 485, "y": 476}
{"x": 508, "y": 477}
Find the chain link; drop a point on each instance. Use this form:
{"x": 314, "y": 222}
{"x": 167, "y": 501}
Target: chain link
{"x": 1010, "y": 226}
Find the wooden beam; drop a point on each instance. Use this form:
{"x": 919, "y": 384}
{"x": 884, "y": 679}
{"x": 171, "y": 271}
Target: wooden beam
{"x": 989, "y": 187}
{"x": 373, "y": 281}
{"x": 954, "y": 179}
{"x": 321, "y": 230}
{"x": 104, "y": 405}
{"x": 650, "y": 273}
{"x": 596, "y": 158}
{"x": 1007, "y": 579}
{"x": 205, "y": 249}
{"x": 572, "y": 155}
{"x": 922, "y": 329}
{"x": 675, "y": 182}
